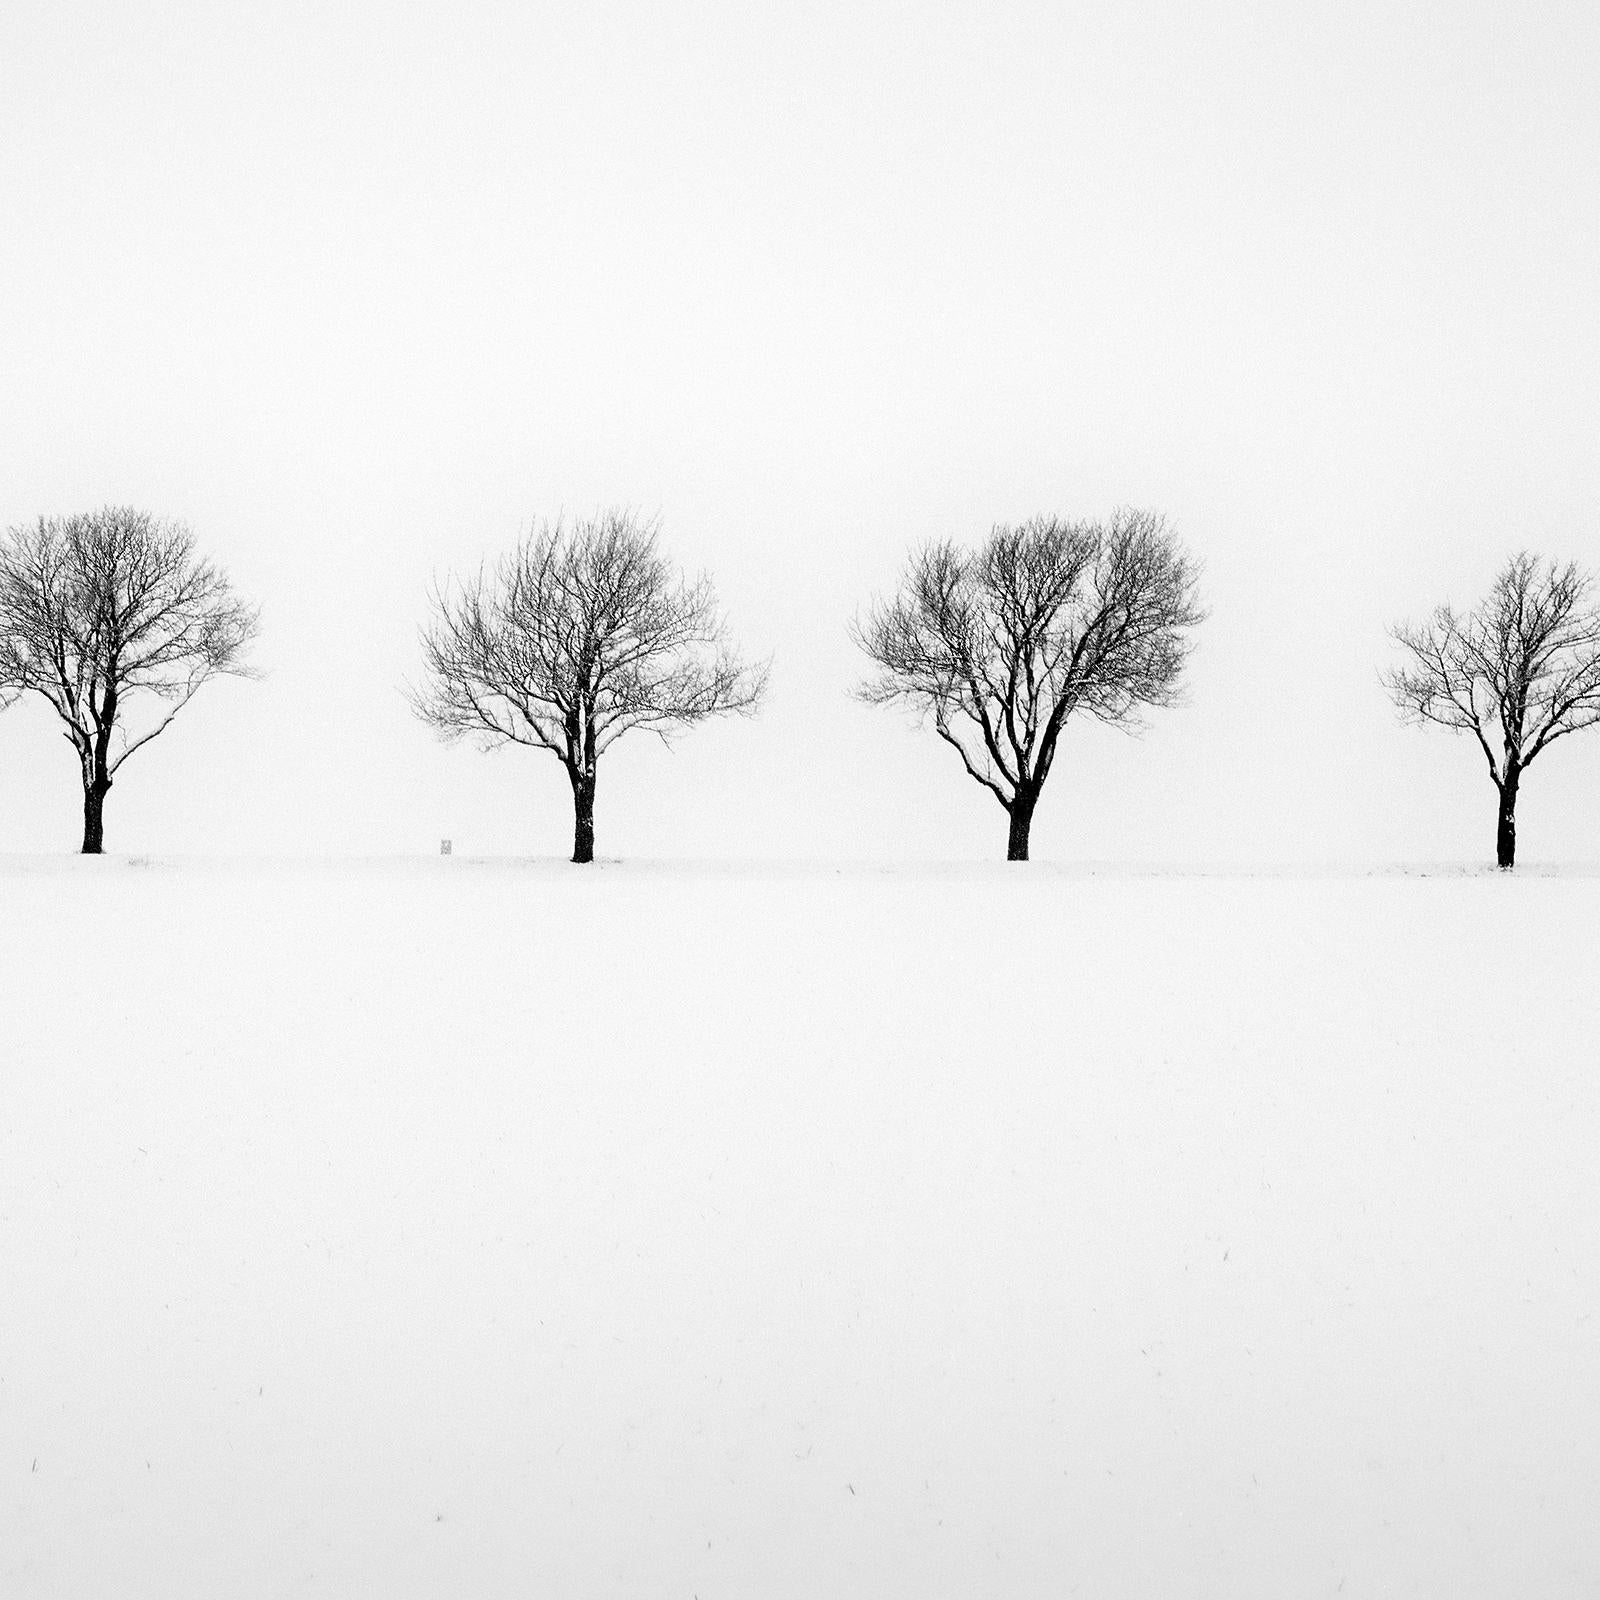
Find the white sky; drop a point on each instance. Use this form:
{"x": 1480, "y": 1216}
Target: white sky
{"x": 360, "y": 293}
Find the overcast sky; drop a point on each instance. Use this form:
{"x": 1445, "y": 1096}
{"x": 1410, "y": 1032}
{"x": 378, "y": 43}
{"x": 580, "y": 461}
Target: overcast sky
{"x": 360, "y": 292}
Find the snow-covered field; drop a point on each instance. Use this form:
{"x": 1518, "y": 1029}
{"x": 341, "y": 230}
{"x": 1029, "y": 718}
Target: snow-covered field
{"x": 465, "y": 1229}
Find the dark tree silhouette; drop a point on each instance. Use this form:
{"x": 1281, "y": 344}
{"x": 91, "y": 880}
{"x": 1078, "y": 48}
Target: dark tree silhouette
{"x": 580, "y": 636}
{"x": 107, "y": 611}
{"x": 1521, "y": 670}
{"x": 1000, "y": 646}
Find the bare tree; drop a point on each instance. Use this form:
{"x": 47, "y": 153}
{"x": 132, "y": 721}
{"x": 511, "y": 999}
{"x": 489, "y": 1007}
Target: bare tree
{"x": 580, "y": 636}
{"x": 1000, "y": 646}
{"x": 1522, "y": 669}
{"x": 107, "y": 611}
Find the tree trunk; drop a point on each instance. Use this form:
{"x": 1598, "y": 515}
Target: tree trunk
{"x": 1505, "y": 842}
{"x": 1021, "y": 809}
{"x": 582, "y": 817}
{"x": 94, "y": 804}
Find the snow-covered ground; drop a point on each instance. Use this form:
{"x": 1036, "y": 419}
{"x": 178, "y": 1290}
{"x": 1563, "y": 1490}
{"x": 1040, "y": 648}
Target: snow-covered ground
{"x": 464, "y": 1229}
